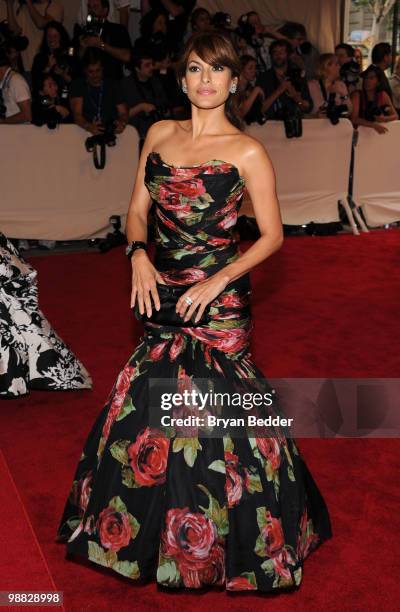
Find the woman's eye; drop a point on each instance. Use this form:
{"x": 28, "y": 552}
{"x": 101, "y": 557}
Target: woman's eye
{"x": 192, "y": 68}
{"x": 218, "y": 67}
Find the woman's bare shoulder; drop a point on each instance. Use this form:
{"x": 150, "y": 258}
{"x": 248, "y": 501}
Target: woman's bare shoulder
{"x": 250, "y": 150}
{"x": 160, "y": 131}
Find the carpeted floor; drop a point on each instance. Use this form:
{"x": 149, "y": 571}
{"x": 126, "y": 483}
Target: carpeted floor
{"x": 323, "y": 306}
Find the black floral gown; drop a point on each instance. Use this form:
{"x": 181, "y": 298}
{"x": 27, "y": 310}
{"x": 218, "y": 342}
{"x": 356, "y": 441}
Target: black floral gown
{"x": 241, "y": 513}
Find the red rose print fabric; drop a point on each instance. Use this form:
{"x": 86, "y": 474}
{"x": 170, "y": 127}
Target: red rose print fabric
{"x": 193, "y": 511}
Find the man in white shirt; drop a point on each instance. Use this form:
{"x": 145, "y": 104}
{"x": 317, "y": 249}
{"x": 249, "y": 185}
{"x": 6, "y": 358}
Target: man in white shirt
{"x": 30, "y": 19}
{"x": 118, "y": 13}
{"x": 15, "y": 96}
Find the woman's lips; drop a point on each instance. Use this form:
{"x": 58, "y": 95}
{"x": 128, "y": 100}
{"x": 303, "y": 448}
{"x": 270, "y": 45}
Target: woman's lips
{"x": 206, "y": 92}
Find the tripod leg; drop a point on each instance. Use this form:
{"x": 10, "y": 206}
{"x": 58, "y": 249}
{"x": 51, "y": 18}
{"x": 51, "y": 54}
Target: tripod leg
{"x": 350, "y": 217}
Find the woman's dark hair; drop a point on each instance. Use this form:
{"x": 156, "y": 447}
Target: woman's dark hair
{"x": 148, "y": 20}
{"x": 214, "y": 48}
{"x": 64, "y": 37}
{"x": 194, "y": 15}
{"x": 380, "y": 75}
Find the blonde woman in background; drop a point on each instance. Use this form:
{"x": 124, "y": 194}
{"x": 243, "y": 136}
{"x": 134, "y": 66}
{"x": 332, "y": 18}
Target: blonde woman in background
{"x": 328, "y": 81}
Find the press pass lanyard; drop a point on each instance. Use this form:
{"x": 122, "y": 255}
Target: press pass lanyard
{"x": 98, "y": 104}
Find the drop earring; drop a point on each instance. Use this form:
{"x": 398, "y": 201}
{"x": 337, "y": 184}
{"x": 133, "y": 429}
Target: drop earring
{"x": 184, "y": 88}
{"x": 232, "y": 88}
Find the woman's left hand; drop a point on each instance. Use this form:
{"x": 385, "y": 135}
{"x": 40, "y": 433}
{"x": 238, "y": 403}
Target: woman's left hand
{"x": 201, "y": 294}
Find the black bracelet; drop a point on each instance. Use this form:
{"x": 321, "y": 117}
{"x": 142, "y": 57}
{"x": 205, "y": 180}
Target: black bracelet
{"x": 133, "y": 246}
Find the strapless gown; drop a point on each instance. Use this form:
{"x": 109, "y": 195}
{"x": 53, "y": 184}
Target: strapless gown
{"x": 237, "y": 512}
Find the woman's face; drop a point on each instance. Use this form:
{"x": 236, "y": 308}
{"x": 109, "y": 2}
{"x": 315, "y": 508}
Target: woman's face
{"x": 250, "y": 70}
{"x": 50, "y": 88}
{"x": 202, "y": 22}
{"x": 208, "y": 86}
{"x": 332, "y": 68}
{"x": 370, "y": 81}
{"x": 160, "y": 24}
{"x": 53, "y": 39}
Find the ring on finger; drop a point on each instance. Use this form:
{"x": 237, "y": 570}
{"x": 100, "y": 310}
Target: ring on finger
{"x": 188, "y": 300}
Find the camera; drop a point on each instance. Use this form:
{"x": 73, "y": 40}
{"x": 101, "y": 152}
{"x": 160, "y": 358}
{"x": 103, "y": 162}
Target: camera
{"x": 295, "y": 76}
{"x": 292, "y": 119}
{"x": 50, "y": 115}
{"x": 107, "y": 138}
{"x": 335, "y": 111}
{"x": 221, "y": 20}
{"x": 93, "y": 26}
{"x": 113, "y": 239}
{"x": 376, "y": 111}
{"x": 350, "y": 73}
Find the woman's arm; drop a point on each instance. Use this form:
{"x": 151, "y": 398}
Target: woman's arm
{"x": 258, "y": 172}
{"x": 249, "y": 101}
{"x": 393, "y": 116}
{"x": 144, "y": 274}
{"x": 357, "y": 120}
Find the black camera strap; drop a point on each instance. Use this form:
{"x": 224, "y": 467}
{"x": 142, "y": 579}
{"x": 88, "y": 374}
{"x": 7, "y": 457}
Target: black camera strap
{"x": 97, "y": 104}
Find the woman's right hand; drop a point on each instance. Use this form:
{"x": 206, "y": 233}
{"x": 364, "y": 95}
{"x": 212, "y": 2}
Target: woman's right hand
{"x": 381, "y": 129}
{"x": 144, "y": 279}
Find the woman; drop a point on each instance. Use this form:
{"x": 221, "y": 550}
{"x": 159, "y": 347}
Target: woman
{"x": 372, "y": 105}
{"x": 154, "y": 36}
{"x": 328, "y": 83}
{"x": 32, "y": 355}
{"x": 47, "y": 104}
{"x": 395, "y": 85}
{"x": 236, "y": 512}
{"x": 251, "y": 97}
{"x": 53, "y": 57}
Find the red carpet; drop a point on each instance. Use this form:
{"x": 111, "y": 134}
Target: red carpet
{"x": 322, "y": 307}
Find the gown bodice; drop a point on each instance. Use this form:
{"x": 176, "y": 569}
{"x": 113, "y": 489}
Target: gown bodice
{"x": 196, "y": 209}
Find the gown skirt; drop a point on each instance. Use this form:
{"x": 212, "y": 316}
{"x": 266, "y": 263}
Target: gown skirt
{"x": 241, "y": 513}
{"x": 32, "y": 354}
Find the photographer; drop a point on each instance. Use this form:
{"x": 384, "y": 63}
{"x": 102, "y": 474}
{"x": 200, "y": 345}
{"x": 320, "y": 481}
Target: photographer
{"x": 304, "y": 55}
{"x": 344, "y": 52}
{"x": 258, "y": 37}
{"x": 284, "y": 85}
{"x": 145, "y": 95}
{"x": 15, "y": 96}
{"x": 372, "y": 106}
{"x": 54, "y": 57}
{"x": 96, "y": 101}
{"x": 29, "y": 18}
{"x": 111, "y": 39}
{"x": 329, "y": 94}
{"x": 48, "y": 108}
{"x": 177, "y": 13}
{"x": 118, "y": 13}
